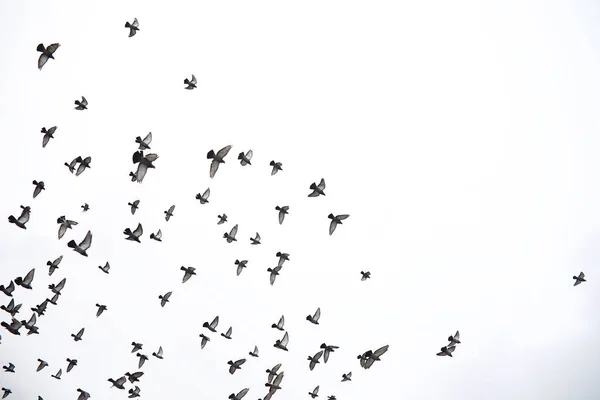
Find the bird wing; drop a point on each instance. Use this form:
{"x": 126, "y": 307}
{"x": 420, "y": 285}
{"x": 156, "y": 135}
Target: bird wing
{"x": 193, "y": 81}
{"x": 158, "y": 234}
{"x": 316, "y": 390}
{"x": 326, "y": 355}
{"x": 80, "y": 333}
{"x": 380, "y": 351}
{"x": 450, "y": 349}
{"x": 57, "y": 261}
{"x": 148, "y": 139}
{"x": 257, "y": 237}
{"x": 80, "y": 169}
{"x": 332, "y": 226}
{"x": 281, "y": 216}
{"x": 121, "y": 380}
{"x": 206, "y": 194}
{"x": 52, "y": 48}
{"x": 214, "y": 166}
{"x": 457, "y": 336}
{"x": 233, "y": 231}
{"x": 272, "y": 277}
{"x": 135, "y": 23}
{"x": 141, "y": 172}
{"x": 240, "y": 362}
{"x": 278, "y": 379}
{"x": 45, "y": 140}
{"x": 232, "y": 369}
{"x": 86, "y": 242}
{"x": 214, "y": 322}
{"x": 138, "y": 231}
{"x": 342, "y": 217}
{"x": 229, "y": 331}
{"x": 171, "y": 209}
{"x": 151, "y": 157}
{"x": 62, "y": 229}
{"x": 255, "y": 350}
{"x": 285, "y": 340}
{"x": 281, "y": 322}
{"x": 60, "y": 285}
{"x": 160, "y": 351}
{"x": 29, "y": 277}
{"x": 318, "y": 355}
{"x": 42, "y": 60}
{"x": 317, "y": 314}
{"x": 33, "y": 320}
{"x": 321, "y": 184}
{"x": 240, "y": 268}
{"x": 24, "y": 217}
{"x": 223, "y": 152}
{"x": 581, "y": 275}
{"x": 84, "y": 101}
{"x": 242, "y": 393}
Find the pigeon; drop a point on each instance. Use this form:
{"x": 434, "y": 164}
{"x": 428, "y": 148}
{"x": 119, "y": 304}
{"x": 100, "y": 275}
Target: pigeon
{"x": 368, "y": 358}
{"x": 314, "y": 360}
{"x": 58, "y": 287}
{"x": 275, "y": 385}
{"x": 276, "y": 167}
{"x": 143, "y": 359}
{"x": 222, "y": 219}
{"x": 13, "y": 327}
{"x": 106, "y": 268}
{"x": 8, "y": 289}
{"x": 217, "y": 159}
{"x": 213, "y": 325}
{"x": 365, "y": 275}
{"x": 189, "y": 271}
{"x": 446, "y": 351}
{"x": 238, "y": 396}
{"x": 82, "y": 247}
{"x": 245, "y": 158}
{"x": 57, "y": 375}
{"x": 85, "y": 207}
{"x": 54, "y": 299}
{"x": 454, "y": 339}
{"x": 23, "y": 218}
{"x": 47, "y": 53}
{"x": 133, "y": 27}
{"x": 118, "y": 383}
{"x": 279, "y": 324}
{"x": 11, "y": 308}
{"x": 230, "y": 237}
{"x": 40, "y": 309}
{"x": 159, "y": 353}
{"x": 205, "y": 339}
{"x": 72, "y": 165}
{"x": 135, "y": 235}
{"x": 39, "y": 186}
{"x": 335, "y": 220}
{"x": 254, "y": 353}
{"x": 165, "y": 299}
{"x": 240, "y": 266}
{"x": 579, "y": 279}
{"x": 134, "y": 392}
{"x": 157, "y": 236}
{"x": 26, "y": 282}
{"x": 169, "y": 213}
{"x": 83, "y": 395}
{"x": 6, "y": 392}
{"x": 144, "y": 162}
{"x": 48, "y": 134}
{"x": 64, "y": 225}
{"x": 256, "y": 239}
{"x": 145, "y": 143}
{"x": 283, "y": 257}
{"x": 71, "y": 364}
{"x": 282, "y": 213}
{"x": 273, "y": 372}
{"x": 135, "y": 377}
{"x": 9, "y": 368}
{"x": 101, "y": 309}
{"x": 234, "y": 366}
{"x": 274, "y": 272}
{"x": 317, "y": 190}
{"x": 331, "y": 398}
{"x": 314, "y": 393}
{"x": 227, "y": 335}
{"x": 134, "y": 206}
{"x": 81, "y": 105}
{"x": 83, "y": 164}
{"x": 282, "y": 344}
{"x": 53, "y": 265}
{"x": 136, "y": 347}
{"x": 327, "y": 350}
{"x": 203, "y": 197}
{"x": 347, "y": 377}
{"x": 191, "y": 83}
{"x": 79, "y": 335}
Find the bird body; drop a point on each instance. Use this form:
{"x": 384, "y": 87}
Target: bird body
{"x": 133, "y": 27}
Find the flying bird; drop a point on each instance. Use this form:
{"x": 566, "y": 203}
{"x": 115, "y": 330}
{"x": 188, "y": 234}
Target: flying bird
{"x": 71, "y": 364}
{"x": 135, "y": 377}
{"x": 6, "y": 392}
{"x": 213, "y": 325}
{"x": 245, "y": 158}
{"x": 230, "y": 237}
{"x": 279, "y": 324}
{"x": 118, "y": 383}
{"x": 7, "y": 290}
{"x": 26, "y": 282}
{"x": 58, "y": 287}
{"x": 314, "y": 393}
{"x": 191, "y": 83}
{"x": 235, "y": 365}
{"x": 23, "y": 218}
{"x": 189, "y": 271}
{"x": 327, "y": 349}
{"x": 222, "y": 219}
{"x": 82, "y": 247}
{"x": 317, "y": 190}
{"x": 273, "y": 372}
{"x": 274, "y": 273}
{"x": 85, "y": 207}
{"x": 368, "y": 358}
{"x": 40, "y": 309}
{"x": 136, "y": 347}
{"x": 134, "y": 206}
{"x": 57, "y": 375}
{"x": 106, "y": 268}
{"x": 135, "y": 235}
{"x": 64, "y": 225}
{"x": 48, "y": 134}
{"x": 11, "y": 308}
{"x": 282, "y": 344}
{"x": 227, "y": 335}
{"x": 238, "y": 396}
{"x": 159, "y": 353}
{"x": 101, "y": 309}
{"x": 81, "y": 105}
{"x": 203, "y": 197}
{"x": 347, "y": 377}
{"x": 579, "y": 279}
{"x": 53, "y": 300}
{"x": 205, "y": 339}
{"x": 165, "y": 299}
{"x": 254, "y": 353}
{"x": 446, "y": 351}
{"x": 144, "y": 162}
{"x": 83, "y": 164}
{"x": 314, "y": 360}
{"x": 275, "y": 385}
{"x": 255, "y": 240}
{"x": 79, "y": 335}
{"x": 282, "y": 213}
{"x": 72, "y": 165}
{"x": 83, "y": 395}
{"x": 365, "y": 275}
{"x": 47, "y": 53}
{"x": 283, "y": 257}
{"x": 217, "y": 159}
{"x": 143, "y": 359}
{"x": 276, "y": 167}
{"x": 134, "y": 392}
{"x": 39, "y": 186}
{"x": 133, "y": 27}
{"x": 13, "y": 327}
{"x": 9, "y": 368}
{"x": 240, "y": 266}
{"x": 314, "y": 318}
{"x": 169, "y": 213}
{"x": 335, "y": 220}
{"x": 145, "y": 143}
{"x": 454, "y": 339}
{"x": 157, "y": 236}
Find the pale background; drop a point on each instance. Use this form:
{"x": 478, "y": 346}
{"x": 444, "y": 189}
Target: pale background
{"x": 461, "y": 137}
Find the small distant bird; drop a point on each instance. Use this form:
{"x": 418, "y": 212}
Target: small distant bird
{"x": 314, "y": 360}
{"x": 143, "y": 359}
{"x": 317, "y": 190}
{"x": 58, "y": 287}
{"x": 314, "y": 318}
{"x": 217, "y": 159}
{"x": 274, "y": 273}
{"x": 347, "y": 377}
{"x": 83, "y": 395}
{"x": 11, "y": 308}
{"x": 327, "y": 349}
{"x": 118, "y": 383}
{"x": 314, "y": 393}
{"x": 26, "y": 282}
{"x": 159, "y": 353}
{"x": 85, "y": 207}
{"x": 191, "y": 83}
{"x": 203, "y": 197}
{"x": 39, "y": 186}
{"x": 71, "y": 364}
{"x": 579, "y": 279}
{"x": 276, "y": 167}
{"x": 82, "y": 247}
{"x": 169, "y": 213}
{"x": 222, "y": 219}
{"x": 254, "y": 353}
{"x": 245, "y": 158}
{"x": 23, "y": 218}
{"x": 283, "y": 257}
{"x": 53, "y": 265}
{"x": 165, "y": 299}
{"x": 282, "y": 344}
{"x": 134, "y": 206}
{"x": 47, "y": 53}
{"x": 9, "y": 368}
{"x": 64, "y": 225}
{"x": 234, "y": 366}
{"x": 135, "y": 235}
{"x": 145, "y": 143}
{"x": 454, "y": 339}
{"x": 72, "y": 165}
{"x": 48, "y": 134}
{"x": 133, "y": 27}
{"x": 240, "y": 266}
{"x": 40, "y": 309}
{"x": 279, "y": 324}
{"x": 81, "y": 105}
{"x": 282, "y": 213}
{"x": 331, "y": 398}
{"x": 213, "y": 325}
{"x": 227, "y": 335}
{"x": 134, "y": 392}
{"x": 189, "y": 271}
{"x": 101, "y": 309}
{"x": 83, "y": 164}
{"x": 369, "y": 357}
{"x": 238, "y": 396}
{"x": 136, "y": 347}
{"x": 275, "y": 385}
{"x": 143, "y": 162}
{"x": 365, "y": 275}
{"x": 335, "y": 220}
{"x": 205, "y": 339}
{"x": 106, "y": 268}
{"x": 6, "y": 392}
{"x": 255, "y": 240}
{"x": 7, "y": 290}
{"x": 57, "y": 375}
{"x": 446, "y": 351}
{"x": 79, "y": 335}
{"x": 157, "y": 236}
{"x": 230, "y": 237}
{"x": 135, "y": 377}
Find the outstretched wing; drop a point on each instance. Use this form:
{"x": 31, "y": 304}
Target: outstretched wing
{"x": 24, "y": 215}
{"x": 42, "y": 60}
{"x": 332, "y": 226}
{"x": 141, "y": 172}
{"x": 214, "y": 166}
{"x": 380, "y": 351}
{"x": 321, "y": 184}
{"x": 233, "y": 231}
{"x": 138, "y": 231}
{"x": 317, "y": 314}
{"x": 223, "y": 152}
{"x": 86, "y": 242}
{"x": 29, "y": 277}
{"x": 285, "y": 340}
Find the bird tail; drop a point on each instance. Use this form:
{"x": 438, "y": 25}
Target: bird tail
{"x": 40, "y": 47}
{"x": 72, "y": 244}
{"x": 152, "y": 236}
{"x": 330, "y": 216}
{"x": 186, "y": 81}
{"x": 35, "y": 182}
{"x": 211, "y": 154}
{"x": 272, "y": 163}
{"x": 127, "y": 25}
{"x": 127, "y": 231}
{"x": 12, "y": 219}
{"x": 313, "y": 186}
{"x": 18, "y": 280}
{"x": 241, "y": 156}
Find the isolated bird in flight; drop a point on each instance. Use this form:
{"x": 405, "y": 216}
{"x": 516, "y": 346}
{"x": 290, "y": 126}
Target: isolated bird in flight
{"x": 134, "y": 206}
{"x": 274, "y": 273}
{"x": 81, "y": 105}
{"x": 365, "y": 275}
{"x": 282, "y": 344}
{"x": 23, "y": 218}
{"x": 135, "y": 235}
{"x": 71, "y": 364}
{"x": 222, "y": 219}
{"x": 204, "y": 196}
{"x": 347, "y": 377}
{"x": 579, "y": 279}
{"x": 83, "y": 164}
{"x": 191, "y": 83}
{"x": 235, "y": 365}
{"x": 159, "y": 353}
{"x": 276, "y": 167}
{"x": 335, "y": 220}
{"x": 145, "y": 143}
{"x": 255, "y": 240}
{"x": 101, "y": 309}
{"x": 279, "y": 324}
{"x": 254, "y": 353}
{"x": 217, "y": 159}
{"x": 314, "y": 360}
{"x": 169, "y": 213}
{"x": 143, "y": 162}
{"x": 204, "y": 340}
{"x": 48, "y": 134}
{"x": 164, "y": 299}
{"x": 314, "y": 318}
{"x": 282, "y": 212}
{"x": 82, "y": 247}
{"x": 7, "y": 290}
{"x": 230, "y": 237}
{"x": 240, "y": 394}
{"x": 327, "y": 349}
{"x": 213, "y": 325}
{"x": 227, "y": 335}
{"x": 106, "y": 268}
{"x": 64, "y": 225}
{"x": 245, "y": 158}
{"x": 26, "y": 282}
{"x": 454, "y": 339}
{"x": 157, "y": 236}
{"x": 47, "y": 53}
{"x": 314, "y": 393}
{"x": 446, "y": 351}
{"x": 85, "y": 207}
{"x": 189, "y": 271}
{"x": 79, "y": 335}
{"x": 133, "y": 27}
{"x": 71, "y": 165}
{"x": 240, "y": 266}
{"x": 317, "y": 190}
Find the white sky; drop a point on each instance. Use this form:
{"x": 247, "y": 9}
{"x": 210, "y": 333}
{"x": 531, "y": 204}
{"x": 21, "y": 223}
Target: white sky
{"x": 460, "y": 136}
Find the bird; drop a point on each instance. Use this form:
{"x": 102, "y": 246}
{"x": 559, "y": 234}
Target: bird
{"x": 282, "y": 344}
{"x": 83, "y": 164}
{"x": 245, "y": 158}
{"x": 82, "y": 247}
{"x": 83, "y": 395}
{"x": 72, "y": 165}
{"x": 144, "y": 162}
{"x": 79, "y": 335}
{"x": 240, "y": 266}
{"x": 217, "y": 159}
{"x": 134, "y": 206}
{"x": 365, "y": 275}
{"x": 347, "y": 377}
{"x": 317, "y": 190}
{"x": 6, "y": 392}
{"x": 135, "y": 377}
{"x": 48, "y": 134}
{"x": 54, "y": 299}
{"x": 279, "y": 324}
{"x": 191, "y": 83}
{"x": 133, "y": 27}
{"x": 238, "y": 396}
{"x": 144, "y": 144}
{"x": 57, "y": 375}
{"x": 71, "y": 364}
{"x": 189, "y": 271}
{"x": 159, "y": 353}
{"x": 47, "y": 53}
{"x": 213, "y": 325}
{"x": 227, "y": 335}
{"x": 327, "y": 349}
{"x": 454, "y": 339}
{"x": 157, "y": 236}
{"x": 134, "y": 392}
{"x": 369, "y": 357}
{"x": 273, "y": 372}
{"x": 40, "y": 309}
{"x": 276, "y": 167}
{"x": 165, "y": 299}
{"x": 335, "y": 220}
{"x": 203, "y": 197}
{"x": 331, "y": 398}
{"x": 11, "y": 308}
{"x": 9, "y": 368}
{"x": 23, "y": 218}
{"x": 314, "y": 360}
{"x": 283, "y": 257}
{"x": 274, "y": 273}
{"x": 13, "y": 327}
{"x": 53, "y": 265}
{"x": 254, "y": 353}
{"x": 579, "y": 279}
{"x": 230, "y": 237}
{"x": 446, "y": 351}
{"x": 81, "y": 105}
{"x": 314, "y": 393}
{"x": 169, "y": 213}
{"x": 314, "y": 318}
{"x": 118, "y": 383}
{"x": 136, "y": 347}
{"x": 85, "y": 207}
{"x": 7, "y": 290}
{"x": 39, "y": 186}
{"x": 143, "y": 359}
{"x": 234, "y": 366}
{"x": 101, "y": 309}
{"x": 64, "y": 225}
{"x": 205, "y": 339}
{"x": 282, "y": 212}
{"x": 58, "y": 287}
{"x": 275, "y": 385}
{"x": 106, "y": 268}
{"x": 255, "y": 240}
{"x": 222, "y": 219}
{"x": 135, "y": 235}
{"x": 26, "y": 282}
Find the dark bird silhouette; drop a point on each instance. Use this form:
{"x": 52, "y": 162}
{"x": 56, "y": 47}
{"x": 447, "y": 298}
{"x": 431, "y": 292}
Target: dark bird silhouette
{"x": 85, "y": 207}
{"x": 365, "y": 275}
{"x": 48, "y": 134}
{"x": 106, "y": 268}
{"x": 7, "y": 290}
{"x": 133, "y": 27}
{"x": 191, "y": 83}
{"x": 279, "y": 324}
{"x": 230, "y": 237}
{"x": 145, "y": 143}
{"x": 157, "y": 236}
{"x": 82, "y": 247}
{"x": 142, "y": 358}
{"x": 254, "y": 353}
{"x": 135, "y": 377}
{"x": 579, "y": 279}
{"x": 26, "y": 282}
{"x": 169, "y": 213}
{"x": 347, "y": 377}
{"x": 446, "y": 351}
{"x": 314, "y": 360}
{"x": 118, "y": 383}
{"x": 335, "y": 221}
{"x": 144, "y": 163}
{"x": 217, "y": 159}
{"x": 71, "y": 364}
{"x": 204, "y": 196}
{"x": 314, "y": 393}
{"x": 77, "y": 337}
{"x": 235, "y": 365}
{"x": 189, "y": 271}
{"x": 213, "y": 325}
{"x": 283, "y": 257}
{"x": 64, "y": 225}
{"x": 317, "y": 190}
{"x": 81, "y": 105}
{"x": 23, "y": 218}
{"x": 72, "y": 165}
{"x": 101, "y": 309}
{"x": 11, "y": 308}
{"x": 134, "y": 206}
{"x": 283, "y": 211}
{"x": 255, "y": 240}
{"x": 245, "y": 158}
{"x": 205, "y": 339}
{"x": 327, "y": 349}
{"x": 282, "y": 344}
{"x": 454, "y": 339}
{"x": 159, "y": 353}
{"x": 240, "y": 266}
{"x": 84, "y": 163}
{"x": 39, "y": 186}
{"x": 9, "y": 368}
{"x": 314, "y": 318}
{"x": 47, "y": 53}
{"x": 135, "y": 235}
{"x": 136, "y": 347}
{"x": 227, "y": 335}
{"x": 57, "y": 375}
{"x": 165, "y": 298}
{"x": 222, "y": 219}
{"x": 276, "y": 167}
{"x": 238, "y": 396}
{"x": 13, "y": 327}
{"x": 274, "y": 273}
{"x": 83, "y": 395}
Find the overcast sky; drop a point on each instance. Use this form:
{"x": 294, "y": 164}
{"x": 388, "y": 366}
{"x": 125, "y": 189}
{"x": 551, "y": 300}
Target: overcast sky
{"x": 461, "y": 137}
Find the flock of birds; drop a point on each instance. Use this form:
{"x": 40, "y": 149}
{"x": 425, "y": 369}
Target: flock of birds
{"x": 145, "y": 162}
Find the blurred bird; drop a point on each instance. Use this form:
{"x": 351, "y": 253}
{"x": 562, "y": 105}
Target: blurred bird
{"x": 81, "y": 105}
{"x": 314, "y": 360}
{"x": 205, "y": 339}
{"x": 335, "y": 220}
{"x": 79, "y": 335}
{"x": 238, "y": 396}
{"x": 11, "y": 308}
{"x": 118, "y": 383}
{"x": 203, "y": 197}
{"x": 283, "y": 257}
{"x": 191, "y": 83}
{"x": 7, "y": 290}
{"x": 54, "y": 299}
{"x": 254, "y": 353}
{"x": 317, "y": 190}
{"x": 143, "y": 359}
{"x": 72, "y": 165}
{"x": 282, "y": 344}
{"x": 136, "y": 347}
{"x": 279, "y": 324}
{"x": 274, "y": 273}
{"x": 230, "y": 237}
{"x": 222, "y": 219}
{"x": 145, "y": 143}
{"x": 283, "y": 211}
{"x": 135, "y": 235}
{"x": 9, "y": 368}
{"x": 135, "y": 377}
{"x": 6, "y": 392}
{"x": 40, "y": 309}
{"x": 256, "y": 239}
{"x": 240, "y": 266}
{"x": 83, "y": 395}
{"x": 217, "y": 159}
{"x": 82, "y": 247}
{"x": 101, "y": 309}
{"x": 579, "y": 279}
{"x": 189, "y": 271}
{"x": 165, "y": 299}
{"x": 85, "y": 207}
{"x": 23, "y": 218}
{"x": 106, "y": 268}
{"x": 57, "y": 375}
{"x": 133, "y": 27}
{"x": 446, "y": 351}
{"x": 314, "y": 393}
{"x": 157, "y": 236}
{"x": 159, "y": 353}
{"x": 48, "y": 134}
{"x": 365, "y": 275}
{"x": 143, "y": 162}
{"x": 245, "y": 158}
{"x": 83, "y": 164}
{"x": 347, "y": 377}
{"x": 213, "y": 325}
{"x": 454, "y": 339}
{"x": 39, "y": 186}
{"x": 64, "y": 225}
{"x": 13, "y": 327}
{"x": 58, "y": 287}
{"x": 227, "y": 335}
{"x": 71, "y": 364}
{"x": 234, "y": 366}
{"x": 275, "y": 385}
{"x": 134, "y": 206}
{"x": 26, "y": 282}
{"x": 47, "y": 53}
{"x": 276, "y": 167}
{"x": 134, "y": 392}
{"x": 314, "y": 318}
{"x": 169, "y": 213}
{"x": 327, "y": 349}
{"x": 273, "y": 372}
